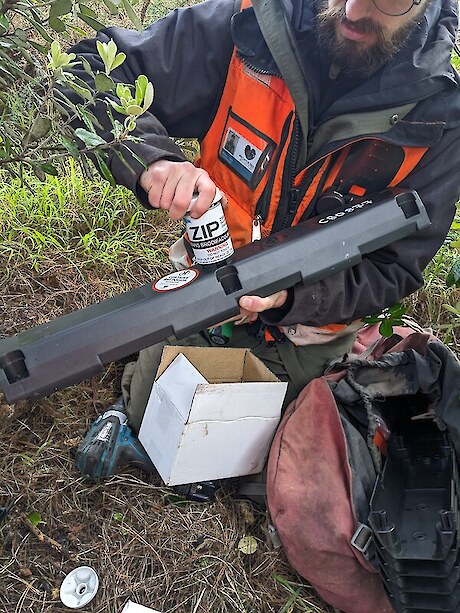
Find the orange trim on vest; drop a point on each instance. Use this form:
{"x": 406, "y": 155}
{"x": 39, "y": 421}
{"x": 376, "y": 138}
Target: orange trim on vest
{"x": 334, "y": 327}
{"x": 259, "y": 112}
{"x": 312, "y": 189}
{"x": 357, "y": 190}
{"x": 412, "y": 156}
{"x": 335, "y": 169}
{"x": 380, "y": 442}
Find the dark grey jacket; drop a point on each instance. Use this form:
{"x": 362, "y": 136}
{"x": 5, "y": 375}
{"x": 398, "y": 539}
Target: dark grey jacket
{"x": 186, "y": 56}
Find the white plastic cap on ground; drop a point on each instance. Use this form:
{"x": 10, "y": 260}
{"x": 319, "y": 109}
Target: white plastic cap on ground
{"x": 79, "y": 587}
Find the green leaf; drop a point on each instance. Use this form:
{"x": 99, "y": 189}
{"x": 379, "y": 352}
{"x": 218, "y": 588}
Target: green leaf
{"x": 94, "y": 23}
{"x": 397, "y": 310}
{"x": 90, "y": 120}
{"x": 4, "y": 23}
{"x": 132, "y": 15}
{"x": 136, "y": 157}
{"x": 175, "y": 499}
{"x": 56, "y": 24}
{"x": 111, "y": 49}
{"x": 49, "y": 169}
{"x": 21, "y": 34}
{"x": 102, "y": 49}
{"x": 34, "y": 21}
{"x": 148, "y": 98}
{"x": 371, "y": 319}
{"x": 85, "y": 10}
{"x": 103, "y": 83}
{"x": 120, "y": 58}
{"x": 108, "y": 53}
{"x": 117, "y": 107}
{"x": 123, "y": 92}
{"x": 453, "y": 277}
{"x": 38, "y": 172}
{"x": 89, "y": 138}
{"x": 455, "y": 244}
{"x": 130, "y": 123}
{"x": 134, "y": 109}
{"x": 386, "y": 328}
{"x": 451, "y": 309}
{"x": 60, "y": 7}
{"x": 35, "y": 518}
{"x": 113, "y": 8}
{"x": 40, "y": 128}
{"x": 105, "y": 170}
{"x": 83, "y": 92}
{"x": 141, "y": 86}
{"x": 124, "y": 161}
{"x": 80, "y": 31}
{"x": 38, "y": 47}
{"x": 70, "y": 146}
{"x": 86, "y": 66}
{"x": 118, "y": 516}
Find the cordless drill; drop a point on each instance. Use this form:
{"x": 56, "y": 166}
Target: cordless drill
{"x": 109, "y": 444}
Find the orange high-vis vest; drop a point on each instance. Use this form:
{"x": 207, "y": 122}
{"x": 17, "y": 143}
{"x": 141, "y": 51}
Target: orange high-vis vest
{"x": 251, "y": 143}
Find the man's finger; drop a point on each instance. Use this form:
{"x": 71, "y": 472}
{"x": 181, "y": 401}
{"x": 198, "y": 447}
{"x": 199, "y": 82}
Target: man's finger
{"x": 206, "y": 190}
{"x": 256, "y": 304}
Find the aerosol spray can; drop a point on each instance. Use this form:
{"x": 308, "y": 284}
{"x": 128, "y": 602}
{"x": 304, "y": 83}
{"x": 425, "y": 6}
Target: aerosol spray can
{"x": 208, "y": 235}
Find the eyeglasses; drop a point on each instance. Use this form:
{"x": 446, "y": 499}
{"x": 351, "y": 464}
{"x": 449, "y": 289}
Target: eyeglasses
{"x": 395, "y": 8}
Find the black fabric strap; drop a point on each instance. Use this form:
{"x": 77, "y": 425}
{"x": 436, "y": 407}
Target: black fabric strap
{"x": 279, "y": 38}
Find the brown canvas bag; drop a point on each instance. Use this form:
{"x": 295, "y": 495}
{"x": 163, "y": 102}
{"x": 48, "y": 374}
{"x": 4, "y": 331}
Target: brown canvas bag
{"x": 322, "y": 467}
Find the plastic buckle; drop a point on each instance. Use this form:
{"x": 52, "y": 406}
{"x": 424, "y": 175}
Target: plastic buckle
{"x": 274, "y": 537}
{"x": 362, "y": 539}
{"x": 204, "y": 491}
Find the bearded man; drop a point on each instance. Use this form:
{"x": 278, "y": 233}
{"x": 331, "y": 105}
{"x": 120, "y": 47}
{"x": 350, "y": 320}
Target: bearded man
{"x": 383, "y": 110}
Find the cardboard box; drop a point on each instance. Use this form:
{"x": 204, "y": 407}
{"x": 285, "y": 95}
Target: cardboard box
{"x": 212, "y": 414}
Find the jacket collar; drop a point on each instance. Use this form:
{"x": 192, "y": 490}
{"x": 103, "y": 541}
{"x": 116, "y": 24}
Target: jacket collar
{"x": 419, "y": 70}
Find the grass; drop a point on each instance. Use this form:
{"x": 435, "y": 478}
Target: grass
{"x": 68, "y": 242}
{"x": 82, "y": 221}
{"x": 436, "y": 305}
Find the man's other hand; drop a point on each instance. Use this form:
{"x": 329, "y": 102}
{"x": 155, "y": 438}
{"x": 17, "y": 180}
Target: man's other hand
{"x": 171, "y": 185}
{"x": 250, "y": 306}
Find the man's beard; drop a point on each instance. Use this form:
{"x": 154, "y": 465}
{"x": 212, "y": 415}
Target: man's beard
{"x": 355, "y": 57}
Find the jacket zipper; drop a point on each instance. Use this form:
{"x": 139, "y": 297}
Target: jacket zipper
{"x": 268, "y": 73}
{"x": 289, "y": 199}
{"x": 263, "y": 204}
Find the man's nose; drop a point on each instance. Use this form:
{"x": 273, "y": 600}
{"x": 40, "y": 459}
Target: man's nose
{"x": 358, "y": 9}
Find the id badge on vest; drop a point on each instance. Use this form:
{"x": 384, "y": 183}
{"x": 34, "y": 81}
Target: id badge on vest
{"x": 245, "y": 150}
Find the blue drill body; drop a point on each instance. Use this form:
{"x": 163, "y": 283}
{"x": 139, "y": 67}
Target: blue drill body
{"x": 109, "y": 444}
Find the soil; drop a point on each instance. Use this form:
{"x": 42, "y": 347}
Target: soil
{"x": 144, "y": 543}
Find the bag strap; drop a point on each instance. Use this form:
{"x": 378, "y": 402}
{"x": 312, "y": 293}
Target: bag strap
{"x": 279, "y": 38}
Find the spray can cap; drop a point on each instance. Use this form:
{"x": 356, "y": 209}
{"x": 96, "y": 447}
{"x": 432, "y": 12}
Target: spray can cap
{"x": 217, "y": 197}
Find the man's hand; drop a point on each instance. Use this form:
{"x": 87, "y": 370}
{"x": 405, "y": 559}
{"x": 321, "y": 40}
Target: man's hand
{"x": 250, "y": 306}
{"x": 171, "y": 185}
